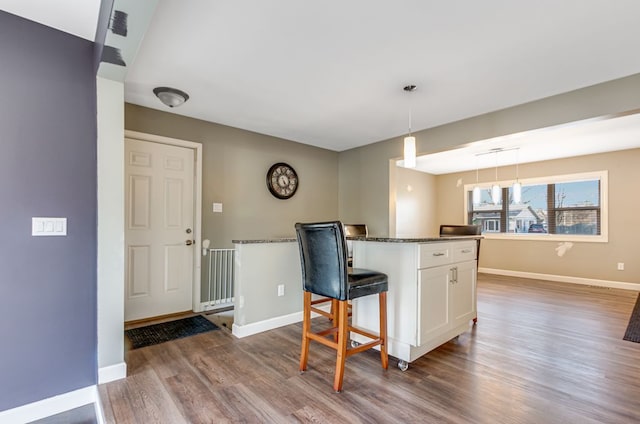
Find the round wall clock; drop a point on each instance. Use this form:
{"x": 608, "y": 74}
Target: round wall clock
{"x": 282, "y": 180}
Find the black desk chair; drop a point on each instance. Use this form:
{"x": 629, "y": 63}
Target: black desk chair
{"x": 323, "y": 257}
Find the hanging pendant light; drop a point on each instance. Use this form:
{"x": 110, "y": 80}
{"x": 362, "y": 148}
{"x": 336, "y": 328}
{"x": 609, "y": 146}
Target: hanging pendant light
{"x": 476, "y": 189}
{"x": 517, "y": 192}
{"x": 496, "y": 194}
{"x": 516, "y": 188}
{"x": 476, "y": 196}
{"x": 409, "y": 152}
{"x": 409, "y": 140}
{"x": 496, "y": 191}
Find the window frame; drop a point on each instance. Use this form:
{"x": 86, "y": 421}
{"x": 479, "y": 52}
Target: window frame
{"x": 603, "y": 237}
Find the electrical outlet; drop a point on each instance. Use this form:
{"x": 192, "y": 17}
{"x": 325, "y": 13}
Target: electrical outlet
{"x": 280, "y": 289}
{"x": 620, "y": 266}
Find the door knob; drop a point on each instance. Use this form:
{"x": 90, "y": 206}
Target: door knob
{"x": 189, "y": 242}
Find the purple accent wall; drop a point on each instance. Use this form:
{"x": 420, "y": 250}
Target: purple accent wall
{"x": 48, "y": 330}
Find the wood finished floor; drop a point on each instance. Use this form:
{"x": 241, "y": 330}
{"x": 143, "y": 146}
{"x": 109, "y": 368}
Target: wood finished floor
{"x": 542, "y": 352}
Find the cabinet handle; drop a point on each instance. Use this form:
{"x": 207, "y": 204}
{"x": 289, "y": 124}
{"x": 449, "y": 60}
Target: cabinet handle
{"x": 465, "y": 251}
{"x": 455, "y": 273}
{"x": 438, "y": 254}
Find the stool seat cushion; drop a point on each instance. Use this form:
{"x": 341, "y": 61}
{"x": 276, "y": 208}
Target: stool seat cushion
{"x": 363, "y": 282}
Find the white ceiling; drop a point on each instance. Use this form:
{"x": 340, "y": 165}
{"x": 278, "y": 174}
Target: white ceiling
{"x": 331, "y": 73}
{"x": 576, "y": 139}
{"x": 77, "y": 17}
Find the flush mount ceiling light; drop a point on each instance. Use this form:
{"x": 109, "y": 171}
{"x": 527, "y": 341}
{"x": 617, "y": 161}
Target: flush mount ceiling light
{"x": 409, "y": 140}
{"x": 171, "y": 97}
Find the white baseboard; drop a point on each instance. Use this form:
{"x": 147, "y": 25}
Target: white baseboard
{"x": 112, "y": 373}
{"x": 563, "y": 279}
{"x": 241, "y": 331}
{"x": 54, "y": 405}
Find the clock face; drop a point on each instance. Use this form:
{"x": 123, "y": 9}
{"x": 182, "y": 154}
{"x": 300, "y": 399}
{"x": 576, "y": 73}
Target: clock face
{"x": 282, "y": 180}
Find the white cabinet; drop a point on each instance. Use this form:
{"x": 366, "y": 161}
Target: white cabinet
{"x": 462, "y": 293}
{"x": 447, "y": 300}
{"x": 434, "y": 311}
{"x": 432, "y": 292}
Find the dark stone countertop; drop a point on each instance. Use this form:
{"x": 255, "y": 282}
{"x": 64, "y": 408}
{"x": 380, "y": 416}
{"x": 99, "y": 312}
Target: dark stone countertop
{"x": 376, "y": 239}
{"x": 257, "y": 241}
{"x": 415, "y": 240}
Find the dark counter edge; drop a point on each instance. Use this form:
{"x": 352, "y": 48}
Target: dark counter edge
{"x": 376, "y": 239}
{"x": 276, "y": 240}
{"x": 414, "y": 240}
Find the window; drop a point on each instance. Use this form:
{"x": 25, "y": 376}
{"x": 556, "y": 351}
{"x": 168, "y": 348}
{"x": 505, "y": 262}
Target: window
{"x": 567, "y": 207}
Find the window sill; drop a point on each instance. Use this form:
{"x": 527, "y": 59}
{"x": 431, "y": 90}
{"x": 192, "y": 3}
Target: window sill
{"x": 547, "y": 237}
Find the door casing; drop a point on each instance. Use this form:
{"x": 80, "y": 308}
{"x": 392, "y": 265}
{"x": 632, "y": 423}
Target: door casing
{"x": 197, "y": 230}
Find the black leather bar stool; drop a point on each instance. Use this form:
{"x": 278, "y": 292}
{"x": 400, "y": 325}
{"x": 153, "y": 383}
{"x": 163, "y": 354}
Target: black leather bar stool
{"x": 323, "y": 257}
{"x": 353, "y": 230}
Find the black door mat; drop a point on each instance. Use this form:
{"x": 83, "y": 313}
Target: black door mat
{"x": 166, "y": 331}
{"x": 633, "y": 329}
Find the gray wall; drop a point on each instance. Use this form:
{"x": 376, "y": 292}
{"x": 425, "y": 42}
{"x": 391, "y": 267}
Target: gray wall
{"x": 47, "y": 168}
{"x": 235, "y": 164}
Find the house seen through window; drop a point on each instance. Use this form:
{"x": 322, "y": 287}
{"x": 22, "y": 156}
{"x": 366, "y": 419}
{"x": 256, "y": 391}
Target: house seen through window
{"x": 564, "y": 205}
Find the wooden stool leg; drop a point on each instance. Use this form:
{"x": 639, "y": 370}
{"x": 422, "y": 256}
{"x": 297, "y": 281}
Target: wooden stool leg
{"x": 334, "y": 313}
{"x": 343, "y": 335}
{"x": 306, "y": 329}
{"x": 384, "y": 357}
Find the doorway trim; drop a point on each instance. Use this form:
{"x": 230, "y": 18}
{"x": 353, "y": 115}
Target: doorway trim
{"x": 197, "y": 196}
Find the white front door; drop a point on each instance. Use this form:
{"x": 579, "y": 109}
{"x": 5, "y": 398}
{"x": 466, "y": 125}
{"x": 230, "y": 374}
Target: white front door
{"x": 159, "y": 207}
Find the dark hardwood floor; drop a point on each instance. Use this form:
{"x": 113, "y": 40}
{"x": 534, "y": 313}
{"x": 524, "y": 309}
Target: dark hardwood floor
{"x": 541, "y": 352}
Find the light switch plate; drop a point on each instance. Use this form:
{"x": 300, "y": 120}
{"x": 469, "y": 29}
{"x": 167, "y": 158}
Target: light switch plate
{"x": 217, "y": 207}
{"x": 48, "y": 226}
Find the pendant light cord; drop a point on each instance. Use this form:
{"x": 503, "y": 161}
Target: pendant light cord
{"x": 410, "y": 113}
{"x": 410, "y": 89}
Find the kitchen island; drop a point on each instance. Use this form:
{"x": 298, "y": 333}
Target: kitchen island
{"x": 431, "y": 297}
{"x": 432, "y": 291}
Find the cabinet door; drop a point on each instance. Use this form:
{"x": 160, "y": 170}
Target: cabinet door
{"x": 433, "y": 301}
{"x": 463, "y": 293}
